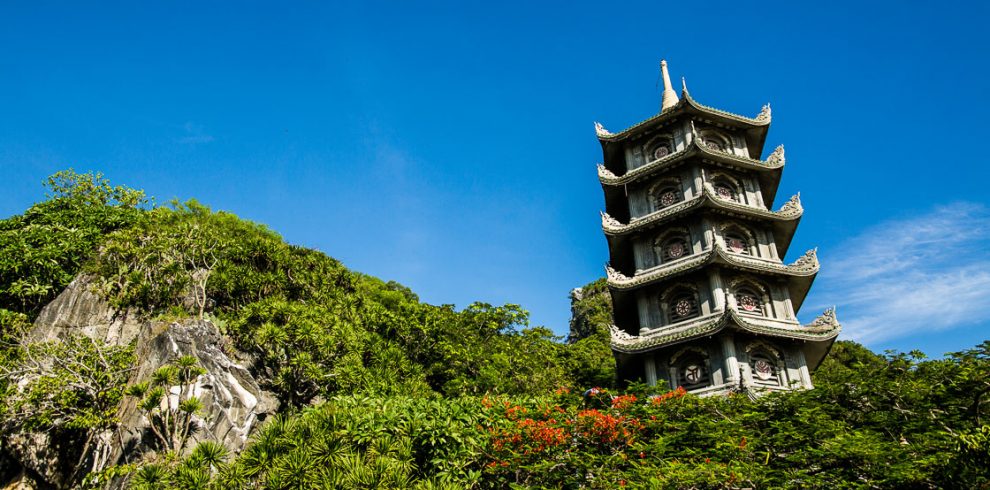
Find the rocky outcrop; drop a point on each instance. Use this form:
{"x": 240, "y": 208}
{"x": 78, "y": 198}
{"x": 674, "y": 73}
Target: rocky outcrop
{"x": 80, "y": 309}
{"x": 591, "y": 310}
{"x": 233, "y": 402}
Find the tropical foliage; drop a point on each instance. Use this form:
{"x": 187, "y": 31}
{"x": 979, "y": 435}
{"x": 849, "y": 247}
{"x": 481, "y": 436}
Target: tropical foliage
{"x": 380, "y": 390}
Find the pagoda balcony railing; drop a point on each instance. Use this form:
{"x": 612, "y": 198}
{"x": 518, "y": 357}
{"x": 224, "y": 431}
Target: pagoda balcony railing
{"x": 791, "y": 210}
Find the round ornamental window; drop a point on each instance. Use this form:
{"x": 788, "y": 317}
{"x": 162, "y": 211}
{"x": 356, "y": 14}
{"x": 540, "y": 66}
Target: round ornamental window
{"x": 723, "y": 191}
{"x": 736, "y": 245}
{"x": 692, "y": 373}
{"x": 668, "y": 198}
{"x": 714, "y": 145}
{"x": 683, "y": 307}
{"x": 675, "y": 250}
{"x": 660, "y": 152}
{"x": 748, "y": 303}
{"x": 763, "y": 369}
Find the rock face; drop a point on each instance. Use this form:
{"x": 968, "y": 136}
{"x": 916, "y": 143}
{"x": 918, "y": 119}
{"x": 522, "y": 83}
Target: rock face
{"x": 233, "y": 402}
{"x": 79, "y": 309}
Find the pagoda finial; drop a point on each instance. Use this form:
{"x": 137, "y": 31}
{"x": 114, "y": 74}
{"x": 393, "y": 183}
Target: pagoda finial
{"x": 669, "y": 98}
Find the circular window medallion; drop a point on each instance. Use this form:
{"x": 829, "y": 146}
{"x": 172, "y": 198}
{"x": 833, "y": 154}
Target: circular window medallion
{"x": 660, "y": 152}
{"x": 668, "y": 198}
{"x": 763, "y": 369}
{"x": 748, "y": 303}
{"x": 736, "y": 245}
{"x": 723, "y": 191}
{"x": 692, "y": 373}
{"x": 683, "y": 308}
{"x": 675, "y": 250}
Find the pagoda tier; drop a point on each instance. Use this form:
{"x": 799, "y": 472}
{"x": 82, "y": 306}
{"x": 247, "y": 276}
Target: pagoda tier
{"x": 755, "y": 128}
{"x": 799, "y": 274}
{"x": 784, "y": 221}
{"x": 768, "y": 171}
{"x": 700, "y": 295}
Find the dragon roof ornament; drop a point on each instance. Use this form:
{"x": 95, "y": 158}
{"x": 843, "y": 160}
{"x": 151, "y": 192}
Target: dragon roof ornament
{"x": 614, "y": 275}
{"x": 600, "y": 130}
{"x": 609, "y": 222}
{"x": 826, "y": 319}
{"x": 605, "y": 174}
{"x": 765, "y": 114}
{"x": 777, "y": 157}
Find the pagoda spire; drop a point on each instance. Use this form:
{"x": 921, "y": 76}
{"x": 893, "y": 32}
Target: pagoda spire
{"x": 669, "y": 98}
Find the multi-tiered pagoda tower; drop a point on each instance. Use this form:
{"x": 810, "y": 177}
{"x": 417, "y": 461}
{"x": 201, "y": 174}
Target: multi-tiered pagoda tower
{"x": 700, "y": 294}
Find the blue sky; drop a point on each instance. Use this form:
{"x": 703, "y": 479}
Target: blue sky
{"x": 450, "y": 146}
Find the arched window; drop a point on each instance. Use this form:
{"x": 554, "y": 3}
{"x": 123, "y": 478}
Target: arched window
{"x": 691, "y": 368}
{"x": 751, "y": 297}
{"x": 766, "y": 364}
{"x": 675, "y": 248}
{"x": 667, "y": 193}
{"x": 715, "y": 141}
{"x": 659, "y": 147}
{"x": 672, "y": 246}
{"x": 738, "y": 239}
{"x": 765, "y": 370}
{"x": 683, "y": 305}
{"x": 726, "y": 187}
{"x": 749, "y": 301}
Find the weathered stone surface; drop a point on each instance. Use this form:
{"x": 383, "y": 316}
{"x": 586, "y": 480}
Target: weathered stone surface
{"x": 80, "y": 309}
{"x": 233, "y": 402}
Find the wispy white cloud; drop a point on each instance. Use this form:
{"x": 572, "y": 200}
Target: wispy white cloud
{"x": 901, "y": 277}
{"x": 195, "y": 134}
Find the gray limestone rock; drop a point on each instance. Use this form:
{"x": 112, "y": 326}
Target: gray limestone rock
{"x": 233, "y": 402}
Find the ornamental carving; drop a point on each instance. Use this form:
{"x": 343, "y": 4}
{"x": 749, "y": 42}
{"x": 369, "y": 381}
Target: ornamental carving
{"x": 600, "y": 130}
{"x": 827, "y": 319}
{"x": 793, "y": 205}
{"x": 777, "y": 157}
{"x": 614, "y": 275}
{"x": 619, "y": 335}
{"x": 610, "y": 222}
{"x": 764, "y": 115}
{"x": 605, "y": 173}
{"x": 808, "y": 260}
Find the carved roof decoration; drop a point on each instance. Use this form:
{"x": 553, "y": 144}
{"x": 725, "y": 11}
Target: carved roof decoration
{"x": 824, "y": 328}
{"x": 774, "y": 162}
{"x": 601, "y": 131}
{"x": 688, "y": 104}
{"x": 776, "y": 159}
{"x": 805, "y": 266}
{"x": 791, "y": 210}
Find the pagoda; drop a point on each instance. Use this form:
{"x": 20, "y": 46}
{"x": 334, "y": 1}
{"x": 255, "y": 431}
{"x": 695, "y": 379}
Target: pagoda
{"x": 701, "y": 296}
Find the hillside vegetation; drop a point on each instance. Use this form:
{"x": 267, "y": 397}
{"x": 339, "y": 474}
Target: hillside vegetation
{"x": 380, "y": 390}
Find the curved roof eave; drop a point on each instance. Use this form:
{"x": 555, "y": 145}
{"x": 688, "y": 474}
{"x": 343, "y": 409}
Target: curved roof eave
{"x": 821, "y": 332}
{"x": 805, "y": 266}
{"x": 790, "y": 211}
{"x": 687, "y": 104}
